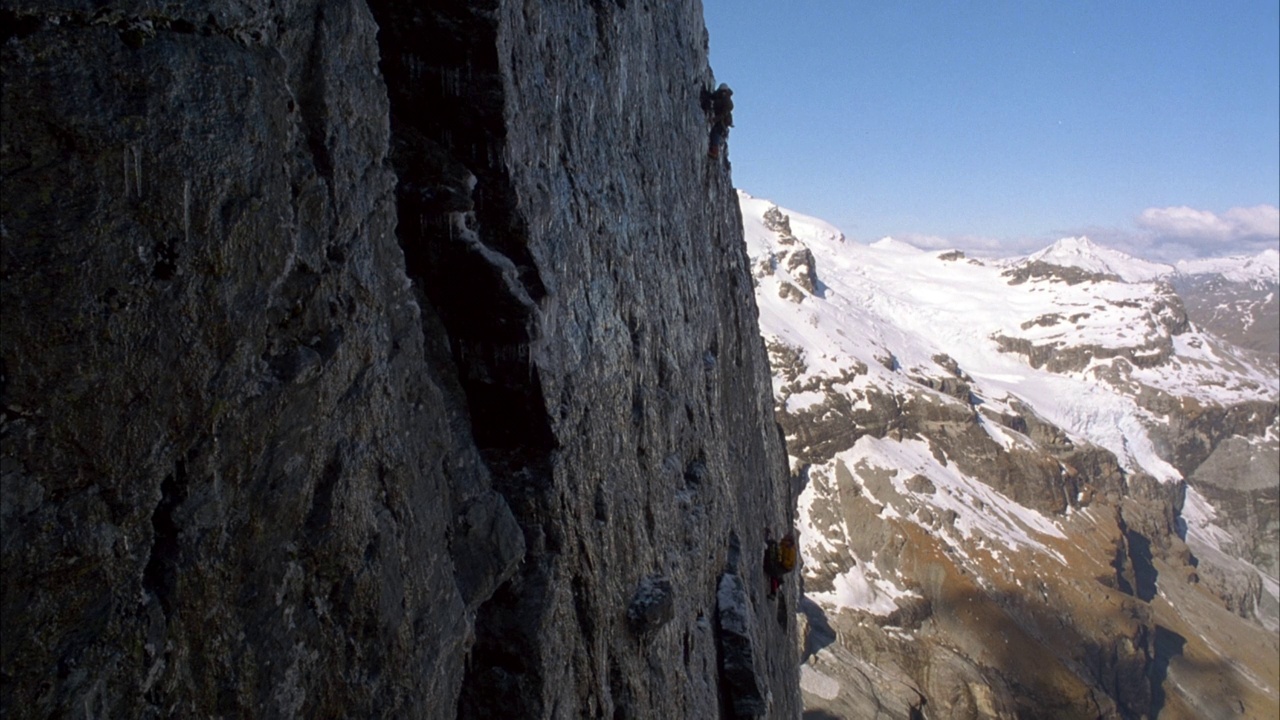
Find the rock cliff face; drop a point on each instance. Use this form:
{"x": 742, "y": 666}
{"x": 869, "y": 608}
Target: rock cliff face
{"x": 388, "y": 360}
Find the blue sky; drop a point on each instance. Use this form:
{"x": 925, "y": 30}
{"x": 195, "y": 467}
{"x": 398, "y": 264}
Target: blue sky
{"x": 1152, "y": 126}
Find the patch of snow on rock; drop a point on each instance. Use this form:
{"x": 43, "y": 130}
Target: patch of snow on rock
{"x": 855, "y": 589}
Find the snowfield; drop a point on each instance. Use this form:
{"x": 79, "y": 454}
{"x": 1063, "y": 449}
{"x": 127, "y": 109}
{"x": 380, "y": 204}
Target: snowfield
{"x": 887, "y": 316}
{"x": 891, "y": 300}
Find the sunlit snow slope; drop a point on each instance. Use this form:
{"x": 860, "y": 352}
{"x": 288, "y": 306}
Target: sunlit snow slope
{"x": 1017, "y": 437}
{"x": 890, "y": 300}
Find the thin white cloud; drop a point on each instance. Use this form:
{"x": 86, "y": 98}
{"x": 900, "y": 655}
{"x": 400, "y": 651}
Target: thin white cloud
{"x": 928, "y": 242}
{"x": 1261, "y": 221}
{"x": 1165, "y": 235}
{"x": 1251, "y": 223}
{"x": 976, "y": 244}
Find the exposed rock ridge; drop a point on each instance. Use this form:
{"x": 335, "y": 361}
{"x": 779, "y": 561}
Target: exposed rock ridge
{"x": 1071, "y": 275}
{"x": 796, "y": 258}
{"x": 1164, "y": 315}
{"x": 377, "y": 361}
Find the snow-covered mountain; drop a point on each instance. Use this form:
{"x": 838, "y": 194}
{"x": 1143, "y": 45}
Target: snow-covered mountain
{"x": 1025, "y": 489}
{"x": 1083, "y": 253}
{"x": 1263, "y": 267}
{"x": 1236, "y": 298}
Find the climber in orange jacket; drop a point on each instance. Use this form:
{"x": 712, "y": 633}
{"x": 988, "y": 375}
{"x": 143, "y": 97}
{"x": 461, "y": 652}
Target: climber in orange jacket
{"x": 779, "y": 559}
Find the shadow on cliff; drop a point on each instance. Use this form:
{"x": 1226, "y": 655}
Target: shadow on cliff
{"x": 1032, "y": 647}
{"x": 1167, "y": 645}
{"x": 820, "y": 633}
{"x": 466, "y": 254}
{"x": 1144, "y": 569}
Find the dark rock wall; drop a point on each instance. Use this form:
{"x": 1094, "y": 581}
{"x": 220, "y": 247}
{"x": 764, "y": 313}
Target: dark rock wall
{"x": 616, "y": 392}
{"x": 333, "y": 388}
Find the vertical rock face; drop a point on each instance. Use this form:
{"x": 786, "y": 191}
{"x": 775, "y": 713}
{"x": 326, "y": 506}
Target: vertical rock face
{"x": 617, "y": 398}
{"x": 371, "y": 360}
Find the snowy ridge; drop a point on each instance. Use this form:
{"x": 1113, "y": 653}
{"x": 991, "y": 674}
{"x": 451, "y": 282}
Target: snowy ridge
{"x": 890, "y": 300}
{"x": 1264, "y": 267}
{"x": 1081, "y": 252}
{"x": 852, "y": 320}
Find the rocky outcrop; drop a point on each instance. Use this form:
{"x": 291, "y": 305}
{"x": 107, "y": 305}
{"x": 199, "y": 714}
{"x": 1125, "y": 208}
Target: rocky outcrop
{"x": 1228, "y": 454}
{"x": 1061, "y": 358}
{"x": 1163, "y": 316}
{"x": 746, "y": 693}
{"x": 1194, "y": 430}
{"x": 364, "y": 361}
{"x": 1041, "y": 270}
{"x": 793, "y": 257}
{"x": 1239, "y": 478}
{"x": 780, "y": 223}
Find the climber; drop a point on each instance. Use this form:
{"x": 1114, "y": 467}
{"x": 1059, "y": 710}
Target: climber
{"x": 779, "y": 559}
{"x": 722, "y": 106}
{"x": 718, "y": 135}
{"x": 721, "y": 118}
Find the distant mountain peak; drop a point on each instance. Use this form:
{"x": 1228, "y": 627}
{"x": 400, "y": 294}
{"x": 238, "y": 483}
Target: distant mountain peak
{"x": 1265, "y": 266}
{"x": 1083, "y": 253}
{"x": 896, "y": 245}
{"x": 1081, "y": 244}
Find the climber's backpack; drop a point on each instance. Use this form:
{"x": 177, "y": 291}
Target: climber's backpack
{"x": 787, "y": 554}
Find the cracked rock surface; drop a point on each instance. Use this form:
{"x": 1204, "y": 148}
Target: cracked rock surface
{"x": 363, "y": 360}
